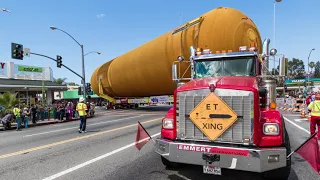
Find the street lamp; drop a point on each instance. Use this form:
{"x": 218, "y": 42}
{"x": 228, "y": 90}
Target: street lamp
{"x": 93, "y": 52}
{"x": 83, "y": 70}
{"x": 274, "y": 22}
{"x": 308, "y": 66}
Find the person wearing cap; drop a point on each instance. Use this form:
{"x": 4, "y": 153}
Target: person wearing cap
{"x": 314, "y": 106}
{"x": 82, "y": 108}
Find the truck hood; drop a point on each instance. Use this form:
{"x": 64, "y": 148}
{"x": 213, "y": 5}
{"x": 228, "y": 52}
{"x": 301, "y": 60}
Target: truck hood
{"x": 228, "y": 82}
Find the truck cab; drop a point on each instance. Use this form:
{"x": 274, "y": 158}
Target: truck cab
{"x": 225, "y": 115}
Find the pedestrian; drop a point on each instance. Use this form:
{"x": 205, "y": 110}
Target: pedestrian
{"x": 17, "y": 114}
{"x": 26, "y": 114}
{"x": 82, "y": 108}
{"x": 7, "y": 118}
{"x": 34, "y": 113}
{"x": 314, "y": 106}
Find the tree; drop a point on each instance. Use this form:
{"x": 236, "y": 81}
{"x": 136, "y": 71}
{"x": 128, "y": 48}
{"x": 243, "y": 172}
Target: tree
{"x": 60, "y": 81}
{"x": 317, "y": 70}
{"x": 8, "y": 101}
{"x": 312, "y": 65}
{"x": 296, "y": 68}
{"x": 72, "y": 84}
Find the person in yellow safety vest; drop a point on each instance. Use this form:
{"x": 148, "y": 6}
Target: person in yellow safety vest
{"x": 314, "y": 106}
{"x": 17, "y": 114}
{"x": 82, "y": 108}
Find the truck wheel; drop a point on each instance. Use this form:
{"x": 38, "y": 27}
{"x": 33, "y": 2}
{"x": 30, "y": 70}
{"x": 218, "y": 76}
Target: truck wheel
{"x": 282, "y": 173}
{"x": 169, "y": 164}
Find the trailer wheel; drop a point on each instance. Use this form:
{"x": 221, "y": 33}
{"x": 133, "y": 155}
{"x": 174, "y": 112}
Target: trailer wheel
{"x": 169, "y": 164}
{"x": 282, "y": 173}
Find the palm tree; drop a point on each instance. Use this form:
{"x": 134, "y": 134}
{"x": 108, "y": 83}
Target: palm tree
{"x": 60, "y": 81}
{"x": 312, "y": 65}
{"x": 8, "y": 101}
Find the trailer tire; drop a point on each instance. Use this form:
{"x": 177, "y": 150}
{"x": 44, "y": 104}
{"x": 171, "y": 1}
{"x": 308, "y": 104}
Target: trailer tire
{"x": 282, "y": 173}
{"x": 169, "y": 164}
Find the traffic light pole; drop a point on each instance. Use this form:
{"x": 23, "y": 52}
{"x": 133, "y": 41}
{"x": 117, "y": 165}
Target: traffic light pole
{"x": 56, "y": 61}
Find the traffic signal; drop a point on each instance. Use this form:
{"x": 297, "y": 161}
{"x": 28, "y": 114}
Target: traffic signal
{"x": 285, "y": 88}
{"x": 88, "y": 89}
{"x": 59, "y": 61}
{"x": 16, "y": 51}
{"x": 80, "y": 90}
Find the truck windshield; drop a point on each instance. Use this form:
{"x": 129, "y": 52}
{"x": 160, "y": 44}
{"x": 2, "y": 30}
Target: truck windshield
{"x": 229, "y": 66}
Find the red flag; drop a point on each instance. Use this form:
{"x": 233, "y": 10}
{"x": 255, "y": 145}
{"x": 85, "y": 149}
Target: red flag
{"x": 142, "y": 137}
{"x": 310, "y": 152}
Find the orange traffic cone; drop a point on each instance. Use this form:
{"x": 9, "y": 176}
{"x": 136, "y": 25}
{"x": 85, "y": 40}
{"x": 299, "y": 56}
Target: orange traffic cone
{"x": 303, "y": 114}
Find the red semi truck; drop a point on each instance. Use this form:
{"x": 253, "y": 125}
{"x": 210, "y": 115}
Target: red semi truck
{"x": 226, "y": 116}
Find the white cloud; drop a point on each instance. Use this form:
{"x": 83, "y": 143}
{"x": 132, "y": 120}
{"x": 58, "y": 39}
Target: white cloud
{"x": 100, "y": 16}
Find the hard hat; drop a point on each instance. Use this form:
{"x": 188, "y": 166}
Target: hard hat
{"x": 81, "y": 99}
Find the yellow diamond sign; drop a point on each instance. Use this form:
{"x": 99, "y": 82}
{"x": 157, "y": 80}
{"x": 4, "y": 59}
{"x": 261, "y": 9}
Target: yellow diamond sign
{"x": 213, "y": 116}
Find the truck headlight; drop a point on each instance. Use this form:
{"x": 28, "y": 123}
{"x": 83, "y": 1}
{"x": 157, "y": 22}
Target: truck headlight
{"x": 271, "y": 129}
{"x": 167, "y": 123}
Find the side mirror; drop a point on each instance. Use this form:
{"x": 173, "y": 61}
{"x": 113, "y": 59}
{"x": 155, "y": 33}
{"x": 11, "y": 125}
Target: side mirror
{"x": 282, "y": 67}
{"x": 174, "y": 72}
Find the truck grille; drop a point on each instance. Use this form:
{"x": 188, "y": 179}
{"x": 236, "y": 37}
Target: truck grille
{"x": 240, "y": 101}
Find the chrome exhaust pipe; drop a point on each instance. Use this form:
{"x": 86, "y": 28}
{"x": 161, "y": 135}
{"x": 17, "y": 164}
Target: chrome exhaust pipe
{"x": 265, "y": 54}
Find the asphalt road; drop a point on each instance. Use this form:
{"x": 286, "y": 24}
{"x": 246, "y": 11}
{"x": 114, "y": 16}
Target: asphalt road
{"x": 107, "y": 151}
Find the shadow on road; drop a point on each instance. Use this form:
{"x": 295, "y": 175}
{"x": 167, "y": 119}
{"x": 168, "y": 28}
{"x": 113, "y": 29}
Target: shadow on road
{"x": 195, "y": 172}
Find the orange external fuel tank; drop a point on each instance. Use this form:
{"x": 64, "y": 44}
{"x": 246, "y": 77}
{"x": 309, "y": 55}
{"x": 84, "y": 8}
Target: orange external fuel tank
{"x": 146, "y": 70}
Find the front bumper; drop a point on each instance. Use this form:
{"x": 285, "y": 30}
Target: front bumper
{"x": 246, "y": 159}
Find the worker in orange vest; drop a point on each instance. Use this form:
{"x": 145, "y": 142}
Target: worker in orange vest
{"x": 314, "y": 106}
{"x": 82, "y": 108}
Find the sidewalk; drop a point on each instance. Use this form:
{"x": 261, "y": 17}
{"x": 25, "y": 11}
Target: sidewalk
{"x": 41, "y": 123}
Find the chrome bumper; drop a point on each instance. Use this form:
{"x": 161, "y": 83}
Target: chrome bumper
{"x": 245, "y": 159}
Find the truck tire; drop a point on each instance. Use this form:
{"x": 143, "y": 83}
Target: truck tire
{"x": 169, "y": 164}
{"x": 282, "y": 173}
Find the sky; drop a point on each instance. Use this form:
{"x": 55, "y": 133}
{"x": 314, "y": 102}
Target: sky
{"x": 116, "y": 27}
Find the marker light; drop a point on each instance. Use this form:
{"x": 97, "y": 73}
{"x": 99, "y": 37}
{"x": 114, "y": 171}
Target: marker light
{"x": 167, "y": 123}
{"x": 273, "y": 105}
{"x": 271, "y": 129}
{"x": 223, "y": 51}
{"x": 217, "y": 52}
{"x": 229, "y": 51}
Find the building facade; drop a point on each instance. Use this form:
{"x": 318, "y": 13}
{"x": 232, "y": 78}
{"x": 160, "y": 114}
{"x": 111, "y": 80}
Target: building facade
{"x": 32, "y": 84}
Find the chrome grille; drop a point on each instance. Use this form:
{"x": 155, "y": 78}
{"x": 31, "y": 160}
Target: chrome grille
{"x": 240, "y": 101}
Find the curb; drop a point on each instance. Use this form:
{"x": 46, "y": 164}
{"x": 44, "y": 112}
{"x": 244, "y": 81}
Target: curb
{"x": 50, "y": 122}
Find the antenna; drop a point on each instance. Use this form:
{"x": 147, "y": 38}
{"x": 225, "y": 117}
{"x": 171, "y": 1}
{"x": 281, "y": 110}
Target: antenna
{"x": 181, "y": 35}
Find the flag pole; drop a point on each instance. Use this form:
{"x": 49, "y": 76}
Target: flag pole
{"x": 146, "y": 131}
{"x": 302, "y": 144}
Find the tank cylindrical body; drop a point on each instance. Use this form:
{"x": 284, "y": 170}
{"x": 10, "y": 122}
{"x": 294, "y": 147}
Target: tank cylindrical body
{"x": 146, "y": 70}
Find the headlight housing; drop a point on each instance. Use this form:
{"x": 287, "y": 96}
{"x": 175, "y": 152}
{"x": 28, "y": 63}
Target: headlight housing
{"x": 167, "y": 123}
{"x": 271, "y": 129}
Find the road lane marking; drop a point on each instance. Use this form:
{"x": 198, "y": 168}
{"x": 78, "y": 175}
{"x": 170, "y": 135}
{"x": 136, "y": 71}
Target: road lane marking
{"x": 292, "y": 115}
{"x": 94, "y": 160}
{"x": 296, "y": 125}
{"x": 78, "y": 127}
{"x": 299, "y": 120}
{"x": 73, "y": 139}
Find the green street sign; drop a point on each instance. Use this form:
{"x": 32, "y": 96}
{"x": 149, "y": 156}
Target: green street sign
{"x": 30, "y": 69}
